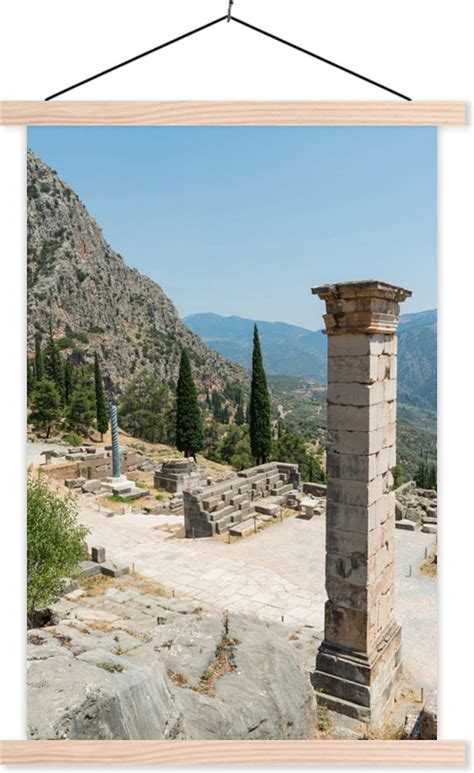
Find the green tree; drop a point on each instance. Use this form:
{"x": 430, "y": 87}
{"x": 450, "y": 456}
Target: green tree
{"x": 30, "y": 380}
{"x": 53, "y": 365}
{"x": 146, "y": 410}
{"x": 420, "y": 475}
{"x": 432, "y": 482}
{"x": 55, "y": 544}
{"x": 189, "y": 430}
{"x": 398, "y": 476}
{"x": 45, "y": 406}
{"x": 39, "y": 360}
{"x": 239, "y": 416}
{"x": 81, "y": 411}
{"x": 259, "y": 408}
{"x": 101, "y": 412}
{"x": 68, "y": 381}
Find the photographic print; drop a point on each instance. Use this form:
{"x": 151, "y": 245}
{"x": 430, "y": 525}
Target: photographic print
{"x": 231, "y": 380}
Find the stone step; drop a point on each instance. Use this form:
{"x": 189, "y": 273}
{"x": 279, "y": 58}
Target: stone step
{"x": 426, "y": 519}
{"x": 239, "y": 499}
{"x": 280, "y": 490}
{"x": 211, "y": 504}
{"x": 237, "y": 516}
{"x": 404, "y": 523}
{"x": 429, "y": 528}
{"x": 245, "y": 528}
{"x": 222, "y": 513}
{"x": 269, "y": 509}
{"x": 222, "y": 525}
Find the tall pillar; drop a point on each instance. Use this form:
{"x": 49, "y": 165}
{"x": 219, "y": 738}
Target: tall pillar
{"x": 358, "y": 664}
{"x": 115, "y": 441}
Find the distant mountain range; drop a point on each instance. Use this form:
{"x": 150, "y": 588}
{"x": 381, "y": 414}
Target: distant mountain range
{"x": 295, "y": 351}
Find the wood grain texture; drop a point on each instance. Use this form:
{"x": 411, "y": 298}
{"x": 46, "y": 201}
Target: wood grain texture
{"x": 445, "y": 753}
{"x": 225, "y": 113}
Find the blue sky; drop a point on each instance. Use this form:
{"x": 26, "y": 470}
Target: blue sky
{"x": 245, "y": 220}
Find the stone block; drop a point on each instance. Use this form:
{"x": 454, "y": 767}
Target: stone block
{"x": 111, "y": 569}
{"x": 98, "y": 554}
{"x": 354, "y": 492}
{"x": 352, "y": 345}
{"x": 350, "y": 417}
{"x": 89, "y": 568}
{"x": 351, "y": 517}
{"x": 349, "y": 369}
{"x": 356, "y": 442}
{"x": 353, "y": 393}
{"x": 92, "y": 486}
{"x": 404, "y": 523}
{"x": 390, "y": 390}
{"x": 345, "y": 627}
{"x": 353, "y": 568}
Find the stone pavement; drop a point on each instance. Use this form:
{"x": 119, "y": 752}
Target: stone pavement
{"x": 277, "y": 573}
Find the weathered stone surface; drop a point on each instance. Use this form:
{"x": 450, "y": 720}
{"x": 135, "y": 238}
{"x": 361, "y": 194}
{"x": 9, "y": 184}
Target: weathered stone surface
{"x": 194, "y": 675}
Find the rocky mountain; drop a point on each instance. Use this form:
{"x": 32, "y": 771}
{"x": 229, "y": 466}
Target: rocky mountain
{"x": 94, "y": 301}
{"x": 296, "y": 351}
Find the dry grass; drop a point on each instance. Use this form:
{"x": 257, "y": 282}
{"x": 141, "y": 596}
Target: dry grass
{"x": 97, "y": 585}
{"x": 428, "y": 568}
{"x": 390, "y": 731}
{"x": 178, "y": 679}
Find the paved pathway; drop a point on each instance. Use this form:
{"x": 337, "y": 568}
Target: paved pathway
{"x": 276, "y": 573}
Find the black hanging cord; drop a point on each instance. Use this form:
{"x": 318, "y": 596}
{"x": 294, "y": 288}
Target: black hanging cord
{"x": 134, "y": 58}
{"x": 321, "y": 58}
{"x": 229, "y": 17}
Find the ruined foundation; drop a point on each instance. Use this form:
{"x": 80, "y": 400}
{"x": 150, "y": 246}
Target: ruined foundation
{"x": 175, "y": 475}
{"x": 358, "y": 665}
{"x": 218, "y": 507}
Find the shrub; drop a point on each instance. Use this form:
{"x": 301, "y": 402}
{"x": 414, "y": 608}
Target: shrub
{"x": 55, "y": 544}
{"x": 73, "y": 439}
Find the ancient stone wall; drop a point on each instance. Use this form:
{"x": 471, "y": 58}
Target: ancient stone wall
{"x": 214, "y": 509}
{"x": 97, "y": 466}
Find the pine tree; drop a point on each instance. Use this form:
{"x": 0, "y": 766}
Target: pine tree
{"x": 189, "y": 430}
{"x": 81, "y": 412}
{"x": 100, "y": 401}
{"x": 46, "y": 405}
{"x": 432, "y": 478}
{"x": 68, "y": 380}
{"x": 259, "y": 409}
{"x": 39, "y": 361}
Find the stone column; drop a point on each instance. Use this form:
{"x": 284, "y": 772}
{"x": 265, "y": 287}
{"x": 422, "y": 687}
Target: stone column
{"x": 358, "y": 664}
{"x": 115, "y": 441}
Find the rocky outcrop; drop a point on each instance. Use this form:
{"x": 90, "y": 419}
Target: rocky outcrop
{"x": 133, "y": 665}
{"x": 94, "y": 301}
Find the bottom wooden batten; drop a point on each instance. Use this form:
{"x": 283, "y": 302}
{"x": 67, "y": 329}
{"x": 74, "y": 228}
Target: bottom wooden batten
{"x": 446, "y": 753}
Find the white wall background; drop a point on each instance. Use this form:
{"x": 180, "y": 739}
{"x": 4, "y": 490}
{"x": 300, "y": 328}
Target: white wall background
{"x": 422, "y": 48}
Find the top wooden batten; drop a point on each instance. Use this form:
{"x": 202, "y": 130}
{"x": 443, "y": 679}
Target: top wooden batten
{"x": 226, "y": 113}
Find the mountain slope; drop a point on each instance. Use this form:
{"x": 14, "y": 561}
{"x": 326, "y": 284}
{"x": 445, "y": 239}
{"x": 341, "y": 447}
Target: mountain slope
{"x": 94, "y": 301}
{"x": 295, "y": 351}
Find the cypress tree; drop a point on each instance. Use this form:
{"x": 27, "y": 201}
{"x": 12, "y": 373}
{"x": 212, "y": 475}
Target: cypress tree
{"x": 53, "y": 364}
{"x": 39, "y": 361}
{"x": 239, "y": 416}
{"x": 68, "y": 380}
{"x": 100, "y": 401}
{"x": 189, "y": 430}
{"x": 259, "y": 408}
{"x": 30, "y": 379}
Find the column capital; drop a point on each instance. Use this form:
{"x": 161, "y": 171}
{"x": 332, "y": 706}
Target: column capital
{"x": 366, "y": 307}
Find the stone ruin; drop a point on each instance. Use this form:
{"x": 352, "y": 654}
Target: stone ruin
{"x": 176, "y": 475}
{"x": 358, "y": 665}
{"x": 219, "y": 507}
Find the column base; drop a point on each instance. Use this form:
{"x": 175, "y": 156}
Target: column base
{"x": 358, "y": 685}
